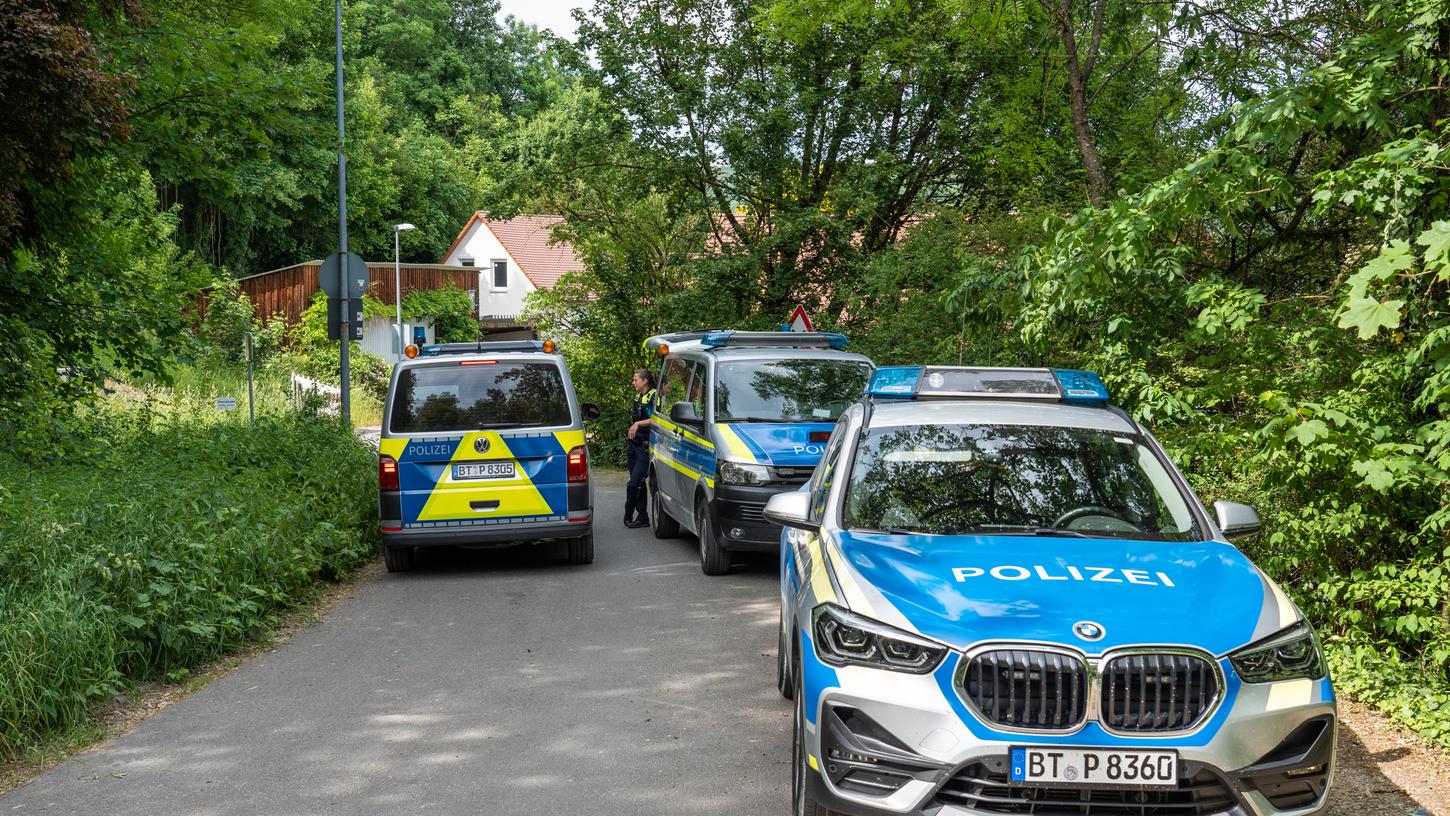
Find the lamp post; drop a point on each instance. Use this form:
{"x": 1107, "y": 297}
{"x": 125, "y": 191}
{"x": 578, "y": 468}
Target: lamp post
{"x": 398, "y": 282}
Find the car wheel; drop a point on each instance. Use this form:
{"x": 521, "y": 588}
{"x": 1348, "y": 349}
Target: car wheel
{"x": 714, "y": 559}
{"x": 398, "y": 557}
{"x": 662, "y": 524}
{"x": 581, "y": 549}
{"x": 802, "y": 803}
{"x": 783, "y": 680}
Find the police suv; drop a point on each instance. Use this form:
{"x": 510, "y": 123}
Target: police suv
{"x": 483, "y": 446}
{"x": 998, "y": 595}
{"x": 740, "y": 417}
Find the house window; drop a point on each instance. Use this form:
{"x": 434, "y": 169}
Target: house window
{"x": 500, "y": 276}
{"x": 465, "y": 262}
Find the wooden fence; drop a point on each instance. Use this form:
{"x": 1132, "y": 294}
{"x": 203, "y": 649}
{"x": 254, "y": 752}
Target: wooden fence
{"x": 288, "y": 291}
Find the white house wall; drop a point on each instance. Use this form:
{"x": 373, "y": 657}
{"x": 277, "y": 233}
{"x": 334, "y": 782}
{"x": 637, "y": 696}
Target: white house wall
{"x": 484, "y": 248}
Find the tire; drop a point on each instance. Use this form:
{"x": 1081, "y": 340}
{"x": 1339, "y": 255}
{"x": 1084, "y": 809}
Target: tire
{"x": 398, "y": 557}
{"x": 783, "y": 681}
{"x": 802, "y": 803}
{"x": 581, "y": 549}
{"x": 714, "y": 559}
{"x": 662, "y": 524}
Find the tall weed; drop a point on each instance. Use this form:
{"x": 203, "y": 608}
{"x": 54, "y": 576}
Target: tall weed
{"x": 178, "y": 534}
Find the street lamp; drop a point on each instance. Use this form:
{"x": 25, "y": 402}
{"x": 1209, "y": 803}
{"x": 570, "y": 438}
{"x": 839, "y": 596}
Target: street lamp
{"x": 398, "y": 282}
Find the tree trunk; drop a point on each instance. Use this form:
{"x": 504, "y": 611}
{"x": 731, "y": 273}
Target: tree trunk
{"x": 1079, "y": 72}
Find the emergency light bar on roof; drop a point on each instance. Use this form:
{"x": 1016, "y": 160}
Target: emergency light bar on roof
{"x": 727, "y": 338}
{"x": 487, "y": 347}
{"x": 776, "y": 339}
{"x": 946, "y": 382}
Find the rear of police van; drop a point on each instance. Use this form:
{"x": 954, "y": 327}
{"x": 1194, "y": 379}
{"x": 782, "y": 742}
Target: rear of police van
{"x": 483, "y": 445}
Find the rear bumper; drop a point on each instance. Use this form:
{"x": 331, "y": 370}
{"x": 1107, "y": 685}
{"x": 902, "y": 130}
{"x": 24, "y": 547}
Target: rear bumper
{"x": 498, "y": 534}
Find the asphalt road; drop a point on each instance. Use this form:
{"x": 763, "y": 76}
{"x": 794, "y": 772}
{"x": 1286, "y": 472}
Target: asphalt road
{"x": 500, "y": 682}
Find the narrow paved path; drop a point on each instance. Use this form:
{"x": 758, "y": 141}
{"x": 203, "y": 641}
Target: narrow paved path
{"x": 505, "y": 683}
{"x": 493, "y": 683}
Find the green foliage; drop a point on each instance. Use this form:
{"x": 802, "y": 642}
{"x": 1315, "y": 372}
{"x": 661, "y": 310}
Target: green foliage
{"x": 103, "y": 298}
{"x": 450, "y": 307}
{"x": 179, "y": 538}
{"x": 1287, "y": 337}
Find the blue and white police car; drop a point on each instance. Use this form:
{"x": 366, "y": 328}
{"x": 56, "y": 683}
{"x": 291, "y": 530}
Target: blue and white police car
{"x": 998, "y": 595}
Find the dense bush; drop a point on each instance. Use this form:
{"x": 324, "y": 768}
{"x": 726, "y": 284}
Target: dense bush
{"x": 181, "y": 536}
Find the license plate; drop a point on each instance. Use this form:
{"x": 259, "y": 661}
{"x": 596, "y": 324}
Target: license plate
{"x": 1095, "y": 766}
{"x": 464, "y": 471}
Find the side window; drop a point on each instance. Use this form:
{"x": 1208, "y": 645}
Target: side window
{"x": 697, "y": 388}
{"x": 825, "y": 474}
{"x": 674, "y": 384}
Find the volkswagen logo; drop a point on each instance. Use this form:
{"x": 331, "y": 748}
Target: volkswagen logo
{"x": 481, "y": 444}
{"x": 1087, "y": 630}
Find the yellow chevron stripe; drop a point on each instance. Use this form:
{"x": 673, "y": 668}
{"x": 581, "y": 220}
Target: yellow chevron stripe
{"x": 670, "y": 426}
{"x": 450, "y": 500}
{"x": 679, "y": 466}
{"x": 734, "y": 445}
{"x": 820, "y": 582}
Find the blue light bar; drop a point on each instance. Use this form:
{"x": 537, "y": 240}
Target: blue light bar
{"x": 716, "y": 339}
{"x": 1081, "y": 387}
{"x": 955, "y": 382}
{"x": 894, "y": 382}
{"x": 484, "y": 347}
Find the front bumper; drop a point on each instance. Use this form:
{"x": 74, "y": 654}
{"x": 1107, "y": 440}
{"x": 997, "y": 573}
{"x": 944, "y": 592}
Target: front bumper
{"x": 888, "y": 743}
{"x": 740, "y": 516}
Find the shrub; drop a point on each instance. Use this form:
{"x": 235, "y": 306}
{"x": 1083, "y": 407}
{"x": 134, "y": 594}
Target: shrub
{"x": 179, "y": 538}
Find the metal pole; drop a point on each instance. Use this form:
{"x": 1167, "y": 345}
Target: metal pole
{"x": 398, "y": 291}
{"x": 342, "y": 225}
{"x": 251, "y": 402}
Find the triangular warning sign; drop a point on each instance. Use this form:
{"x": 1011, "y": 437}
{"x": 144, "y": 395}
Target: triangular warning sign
{"x": 800, "y": 321}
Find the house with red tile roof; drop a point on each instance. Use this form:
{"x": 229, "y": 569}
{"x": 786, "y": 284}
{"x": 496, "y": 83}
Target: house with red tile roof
{"x": 515, "y": 256}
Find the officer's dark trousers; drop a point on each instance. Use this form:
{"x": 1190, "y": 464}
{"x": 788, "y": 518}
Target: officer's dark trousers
{"x": 636, "y": 496}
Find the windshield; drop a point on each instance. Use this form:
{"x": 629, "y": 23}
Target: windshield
{"x": 470, "y": 397}
{"x": 1013, "y": 479}
{"x": 787, "y": 390}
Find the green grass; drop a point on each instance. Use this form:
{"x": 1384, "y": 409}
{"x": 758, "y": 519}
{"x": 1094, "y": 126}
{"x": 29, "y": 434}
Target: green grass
{"x": 176, "y": 534}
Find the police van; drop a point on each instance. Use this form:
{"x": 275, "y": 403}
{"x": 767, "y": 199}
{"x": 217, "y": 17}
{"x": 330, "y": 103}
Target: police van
{"x": 483, "y": 446}
{"x": 739, "y": 417}
{"x": 998, "y": 595}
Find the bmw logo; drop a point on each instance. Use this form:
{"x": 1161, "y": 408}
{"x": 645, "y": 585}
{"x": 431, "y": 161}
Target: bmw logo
{"x": 481, "y": 444}
{"x": 1087, "y": 630}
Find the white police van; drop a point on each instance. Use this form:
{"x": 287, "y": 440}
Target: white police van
{"x": 998, "y": 595}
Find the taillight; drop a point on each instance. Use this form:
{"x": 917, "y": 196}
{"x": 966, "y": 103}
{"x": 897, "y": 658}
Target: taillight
{"x": 579, "y": 464}
{"x": 387, "y": 473}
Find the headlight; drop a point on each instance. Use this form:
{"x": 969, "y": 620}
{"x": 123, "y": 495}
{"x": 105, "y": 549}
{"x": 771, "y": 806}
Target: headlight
{"x": 1289, "y": 655}
{"x": 843, "y": 638}
{"x": 741, "y": 473}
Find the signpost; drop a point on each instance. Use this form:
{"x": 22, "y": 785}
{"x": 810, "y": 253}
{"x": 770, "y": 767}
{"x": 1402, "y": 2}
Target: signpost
{"x": 251, "y": 403}
{"x": 226, "y": 403}
{"x": 345, "y": 314}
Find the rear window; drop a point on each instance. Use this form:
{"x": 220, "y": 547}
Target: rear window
{"x": 455, "y": 397}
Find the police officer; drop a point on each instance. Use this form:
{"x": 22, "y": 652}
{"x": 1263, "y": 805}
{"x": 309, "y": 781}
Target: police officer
{"x": 636, "y": 496}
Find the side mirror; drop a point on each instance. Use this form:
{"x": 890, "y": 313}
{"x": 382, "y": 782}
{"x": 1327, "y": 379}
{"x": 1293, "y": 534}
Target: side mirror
{"x": 791, "y": 509}
{"x": 1236, "y": 520}
{"x": 684, "y": 413}
{"x": 589, "y": 411}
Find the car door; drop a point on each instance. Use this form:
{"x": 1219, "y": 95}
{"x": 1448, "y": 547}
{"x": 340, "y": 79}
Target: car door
{"x": 665, "y": 440}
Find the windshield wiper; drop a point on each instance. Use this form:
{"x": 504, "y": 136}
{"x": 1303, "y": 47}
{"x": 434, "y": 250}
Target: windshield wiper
{"x": 490, "y": 426}
{"x": 763, "y": 419}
